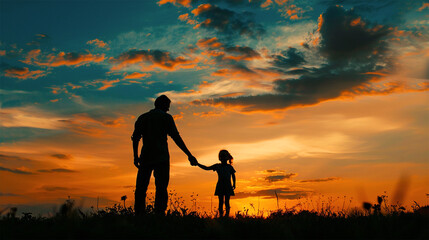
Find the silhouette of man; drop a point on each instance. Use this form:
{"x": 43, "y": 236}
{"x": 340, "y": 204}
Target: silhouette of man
{"x": 153, "y": 127}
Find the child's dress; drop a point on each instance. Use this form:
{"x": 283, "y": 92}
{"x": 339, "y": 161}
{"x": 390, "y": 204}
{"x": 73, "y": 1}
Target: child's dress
{"x": 224, "y": 172}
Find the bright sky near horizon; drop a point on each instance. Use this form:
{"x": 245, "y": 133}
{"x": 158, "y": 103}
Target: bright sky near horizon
{"x": 311, "y": 98}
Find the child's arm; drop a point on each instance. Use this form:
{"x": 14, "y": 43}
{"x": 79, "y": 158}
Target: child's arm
{"x": 233, "y": 180}
{"x": 204, "y": 167}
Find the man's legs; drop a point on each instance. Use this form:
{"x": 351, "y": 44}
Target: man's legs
{"x": 142, "y": 182}
{"x": 162, "y": 177}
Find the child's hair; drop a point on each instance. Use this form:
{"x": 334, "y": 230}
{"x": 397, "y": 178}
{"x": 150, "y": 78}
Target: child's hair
{"x": 225, "y": 155}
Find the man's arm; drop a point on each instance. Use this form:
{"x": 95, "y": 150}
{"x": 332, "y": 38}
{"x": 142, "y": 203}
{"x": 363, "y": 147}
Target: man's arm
{"x": 136, "y": 139}
{"x": 179, "y": 142}
{"x": 174, "y": 134}
{"x": 135, "y": 151}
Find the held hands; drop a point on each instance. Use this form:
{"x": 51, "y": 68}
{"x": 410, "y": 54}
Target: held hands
{"x": 193, "y": 160}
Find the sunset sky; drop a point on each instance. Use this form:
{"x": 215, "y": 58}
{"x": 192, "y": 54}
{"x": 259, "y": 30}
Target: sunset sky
{"x": 314, "y": 99}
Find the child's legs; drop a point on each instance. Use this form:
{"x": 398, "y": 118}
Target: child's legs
{"x": 220, "y": 205}
{"x": 227, "y": 206}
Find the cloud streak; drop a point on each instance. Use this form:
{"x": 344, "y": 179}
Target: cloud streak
{"x": 56, "y": 170}
{"x": 328, "y": 179}
{"x": 74, "y": 59}
{"x": 98, "y": 43}
{"x": 149, "y": 60}
{"x": 23, "y": 73}
{"x": 61, "y": 156}
{"x": 16, "y": 171}
{"x": 277, "y": 175}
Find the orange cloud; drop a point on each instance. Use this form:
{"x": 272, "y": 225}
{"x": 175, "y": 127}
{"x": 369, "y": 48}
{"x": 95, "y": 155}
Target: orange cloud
{"x": 184, "y": 3}
{"x": 107, "y": 84}
{"x": 424, "y": 6}
{"x": 320, "y": 22}
{"x": 31, "y": 55}
{"x": 290, "y": 11}
{"x": 385, "y": 88}
{"x": 202, "y": 8}
{"x": 357, "y": 22}
{"x": 377, "y": 73}
{"x": 98, "y": 43}
{"x": 69, "y": 59}
{"x": 137, "y": 75}
{"x": 209, "y": 43}
{"x": 149, "y": 60}
{"x": 235, "y": 73}
{"x": 23, "y": 73}
{"x": 266, "y": 4}
{"x": 178, "y": 116}
{"x": 185, "y": 18}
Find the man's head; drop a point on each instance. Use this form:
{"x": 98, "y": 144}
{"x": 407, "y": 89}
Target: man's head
{"x": 162, "y": 102}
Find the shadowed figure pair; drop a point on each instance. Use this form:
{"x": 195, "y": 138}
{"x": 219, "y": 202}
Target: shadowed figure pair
{"x": 153, "y": 127}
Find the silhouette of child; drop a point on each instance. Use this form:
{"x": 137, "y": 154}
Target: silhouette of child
{"x": 225, "y": 172}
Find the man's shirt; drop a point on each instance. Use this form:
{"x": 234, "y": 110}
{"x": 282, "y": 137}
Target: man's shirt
{"x": 153, "y": 127}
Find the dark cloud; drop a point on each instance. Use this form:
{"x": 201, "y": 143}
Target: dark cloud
{"x": 277, "y": 175}
{"x": 320, "y": 179}
{"x": 387, "y": 11}
{"x": 288, "y": 58}
{"x": 351, "y": 46}
{"x": 17, "y": 171}
{"x": 9, "y": 158}
{"x": 242, "y": 53}
{"x": 61, "y": 156}
{"x": 282, "y": 193}
{"x": 8, "y": 194}
{"x": 345, "y": 36}
{"x": 227, "y": 22}
{"x": 56, "y": 170}
{"x": 154, "y": 58}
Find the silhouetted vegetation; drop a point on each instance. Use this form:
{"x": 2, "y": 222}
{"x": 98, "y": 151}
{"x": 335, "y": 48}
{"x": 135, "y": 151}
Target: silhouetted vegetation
{"x": 373, "y": 221}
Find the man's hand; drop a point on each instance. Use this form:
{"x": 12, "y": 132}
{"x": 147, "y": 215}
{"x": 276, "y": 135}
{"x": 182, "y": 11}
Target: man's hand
{"x": 233, "y": 187}
{"x": 193, "y": 160}
{"x": 137, "y": 162}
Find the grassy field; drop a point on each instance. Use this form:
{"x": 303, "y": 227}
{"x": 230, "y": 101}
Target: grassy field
{"x": 117, "y": 222}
